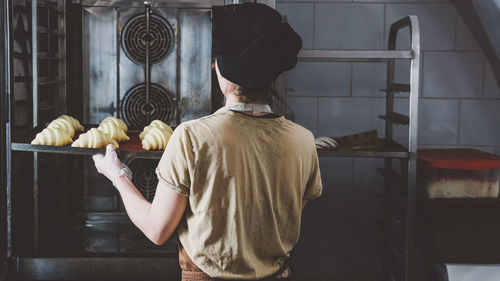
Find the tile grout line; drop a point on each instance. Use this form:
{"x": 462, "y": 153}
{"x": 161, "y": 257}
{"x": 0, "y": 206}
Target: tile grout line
{"x": 456, "y": 30}
{"x": 317, "y": 116}
{"x": 350, "y": 79}
{"x": 402, "y": 98}
{"x": 313, "y": 25}
{"x": 384, "y": 17}
{"x": 484, "y": 78}
{"x": 366, "y": 2}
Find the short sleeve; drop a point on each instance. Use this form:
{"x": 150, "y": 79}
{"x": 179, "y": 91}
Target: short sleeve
{"x": 314, "y": 186}
{"x": 177, "y": 162}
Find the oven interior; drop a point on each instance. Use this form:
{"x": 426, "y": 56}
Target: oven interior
{"x": 91, "y": 59}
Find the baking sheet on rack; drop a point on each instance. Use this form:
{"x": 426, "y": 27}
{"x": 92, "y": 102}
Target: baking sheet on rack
{"x": 132, "y": 147}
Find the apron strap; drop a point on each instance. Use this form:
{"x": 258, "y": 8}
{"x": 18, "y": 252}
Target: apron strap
{"x": 281, "y": 270}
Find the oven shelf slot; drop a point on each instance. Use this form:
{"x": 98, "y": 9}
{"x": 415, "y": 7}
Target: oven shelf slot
{"x": 45, "y": 30}
{"x": 397, "y": 87}
{"x": 50, "y": 82}
{"x": 49, "y": 56}
{"x": 396, "y": 118}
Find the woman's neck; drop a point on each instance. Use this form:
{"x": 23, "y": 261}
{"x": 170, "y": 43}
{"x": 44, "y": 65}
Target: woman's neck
{"x": 232, "y": 99}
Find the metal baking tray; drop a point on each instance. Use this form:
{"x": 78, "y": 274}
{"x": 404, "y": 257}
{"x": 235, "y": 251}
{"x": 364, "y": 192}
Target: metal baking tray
{"x": 131, "y": 148}
{"x": 383, "y": 149}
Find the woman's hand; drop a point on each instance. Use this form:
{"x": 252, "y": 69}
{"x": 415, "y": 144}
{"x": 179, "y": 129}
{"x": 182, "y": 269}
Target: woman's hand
{"x": 110, "y": 166}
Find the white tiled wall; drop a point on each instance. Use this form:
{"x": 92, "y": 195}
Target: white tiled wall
{"x": 459, "y": 105}
{"x": 319, "y": 79}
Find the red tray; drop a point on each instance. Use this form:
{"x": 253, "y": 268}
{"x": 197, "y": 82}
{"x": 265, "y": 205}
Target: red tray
{"x": 459, "y": 159}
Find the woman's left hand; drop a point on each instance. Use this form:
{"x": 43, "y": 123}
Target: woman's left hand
{"x": 110, "y": 166}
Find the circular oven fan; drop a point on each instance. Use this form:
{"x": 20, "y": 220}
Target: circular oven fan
{"x": 133, "y": 39}
{"x": 135, "y": 110}
{"x": 144, "y": 176}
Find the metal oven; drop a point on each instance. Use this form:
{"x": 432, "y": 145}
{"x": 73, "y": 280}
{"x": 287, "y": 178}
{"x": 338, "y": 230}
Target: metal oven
{"x": 136, "y": 60}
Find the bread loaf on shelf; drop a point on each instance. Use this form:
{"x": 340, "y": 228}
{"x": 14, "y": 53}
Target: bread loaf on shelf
{"x": 52, "y": 136}
{"x": 74, "y": 122}
{"x": 118, "y": 122}
{"x": 63, "y": 124}
{"x": 155, "y": 124}
{"x": 156, "y": 139}
{"x": 113, "y": 131}
{"x": 94, "y": 139}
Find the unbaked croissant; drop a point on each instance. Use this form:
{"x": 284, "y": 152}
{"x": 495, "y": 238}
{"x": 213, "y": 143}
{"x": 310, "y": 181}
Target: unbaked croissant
{"x": 155, "y": 124}
{"x": 94, "y": 139}
{"x": 63, "y": 124}
{"x": 118, "y": 122}
{"x": 113, "y": 131}
{"x": 156, "y": 139}
{"x": 52, "y": 136}
{"x": 74, "y": 122}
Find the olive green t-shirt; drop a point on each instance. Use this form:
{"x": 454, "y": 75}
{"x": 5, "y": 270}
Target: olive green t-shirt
{"x": 246, "y": 178}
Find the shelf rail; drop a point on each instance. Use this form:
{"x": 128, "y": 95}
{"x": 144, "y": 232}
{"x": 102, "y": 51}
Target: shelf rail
{"x": 412, "y": 23}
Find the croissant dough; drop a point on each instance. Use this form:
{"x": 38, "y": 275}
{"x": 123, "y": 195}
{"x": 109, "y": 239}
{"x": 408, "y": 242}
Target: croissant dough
{"x": 52, "y": 136}
{"x": 74, "y": 122}
{"x": 156, "y": 139}
{"x": 63, "y": 124}
{"x": 155, "y": 124}
{"x": 113, "y": 131}
{"x": 118, "y": 122}
{"x": 94, "y": 139}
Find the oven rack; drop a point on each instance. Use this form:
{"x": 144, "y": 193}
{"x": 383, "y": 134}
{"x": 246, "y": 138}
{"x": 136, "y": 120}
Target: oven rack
{"x": 133, "y": 148}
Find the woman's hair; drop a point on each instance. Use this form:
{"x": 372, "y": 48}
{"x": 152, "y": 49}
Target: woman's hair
{"x": 249, "y": 95}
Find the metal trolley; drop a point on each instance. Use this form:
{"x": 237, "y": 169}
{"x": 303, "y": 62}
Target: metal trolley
{"x": 399, "y": 198}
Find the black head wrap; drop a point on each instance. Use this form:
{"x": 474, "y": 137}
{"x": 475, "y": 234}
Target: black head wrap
{"x": 252, "y": 45}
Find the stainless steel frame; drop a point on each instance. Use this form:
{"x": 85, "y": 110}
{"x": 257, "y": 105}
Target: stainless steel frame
{"x": 6, "y": 95}
{"x": 393, "y": 180}
{"x": 5, "y": 153}
{"x": 34, "y": 67}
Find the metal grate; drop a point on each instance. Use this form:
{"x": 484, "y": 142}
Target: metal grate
{"x": 135, "y": 110}
{"x": 144, "y": 176}
{"x": 133, "y": 39}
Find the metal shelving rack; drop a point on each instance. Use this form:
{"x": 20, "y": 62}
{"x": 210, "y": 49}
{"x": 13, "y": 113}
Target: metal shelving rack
{"x": 399, "y": 197}
{"x": 48, "y": 44}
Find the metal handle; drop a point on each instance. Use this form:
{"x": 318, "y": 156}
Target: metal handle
{"x": 412, "y": 23}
